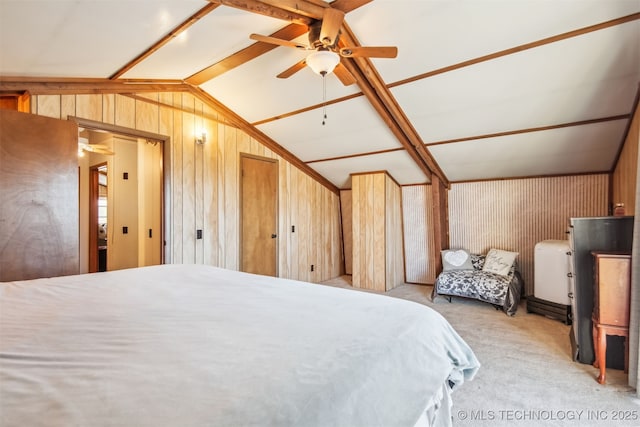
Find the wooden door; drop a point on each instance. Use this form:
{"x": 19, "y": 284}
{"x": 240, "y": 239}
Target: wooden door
{"x": 94, "y": 194}
{"x": 259, "y": 215}
{"x": 38, "y": 196}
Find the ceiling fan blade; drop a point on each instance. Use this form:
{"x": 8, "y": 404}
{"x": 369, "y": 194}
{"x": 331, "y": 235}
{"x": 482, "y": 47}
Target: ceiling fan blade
{"x": 344, "y": 75}
{"x": 331, "y": 22}
{"x": 292, "y": 70}
{"x": 101, "y": 151}
{"x": 96, "y": 148}
{"x": 370, "y": 51}
{"x": 279, "y": 42}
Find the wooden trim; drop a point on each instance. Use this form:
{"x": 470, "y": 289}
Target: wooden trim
{"x": 530, "y": 177}
{"x": 247, "y": 54}
{"x": 21, "y": 98}
{"x": 120, "y": 130}
{"x": 349, "y": 156}
{"x": 404, "y": 252}
{"x": 384, "y": 171}
{"x": 636, "y": 103}
{"x": 304, "y": 8}
{"x": 166, "y": 39}
{"x": 24, "y": 102}
{"x": 477, "y": 137}
{"x": 80, "y": 86}
{"x": 529, "y": 130}
{"x": 93, "y": 216}
{"x": 306, "y": 12}
{"x": 520, "y": 48}
{"x": 165, "y": 170}
{"x": 440, "y": 221}
{"x": 306, "y": 109}
{"x": 415, "y": 185}
{"x": 260, "y": 8}
{"x": 387, "y": 107}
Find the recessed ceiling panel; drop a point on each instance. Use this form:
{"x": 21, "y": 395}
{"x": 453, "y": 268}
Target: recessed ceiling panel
{"x": 576, "y": 149}
{"x": 72, "y": 38}
{"x": 398, "y": 163}
{"x": 214, "y": 37}
{"x": 438, "y": 33}
{"x": 351, "y": 127}
{"x": 583, "y": 78}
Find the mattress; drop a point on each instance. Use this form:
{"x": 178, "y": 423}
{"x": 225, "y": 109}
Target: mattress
{"x": 193, "y": 345}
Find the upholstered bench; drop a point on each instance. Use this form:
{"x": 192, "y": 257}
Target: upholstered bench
{"x": 465, "y": 275}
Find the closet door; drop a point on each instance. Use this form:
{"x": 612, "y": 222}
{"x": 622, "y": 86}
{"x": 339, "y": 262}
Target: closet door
{"x": 259, "y": 215}
{"x": 38, "y": 196}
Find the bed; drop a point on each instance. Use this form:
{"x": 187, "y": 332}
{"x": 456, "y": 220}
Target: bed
{"x": 193, "y": 345}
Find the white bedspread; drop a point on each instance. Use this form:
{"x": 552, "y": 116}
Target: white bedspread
{"x": 178, "y": 345}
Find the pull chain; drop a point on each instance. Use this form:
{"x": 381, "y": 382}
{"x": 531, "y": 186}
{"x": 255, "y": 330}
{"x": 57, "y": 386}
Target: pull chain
{"x": 324, "y": 98}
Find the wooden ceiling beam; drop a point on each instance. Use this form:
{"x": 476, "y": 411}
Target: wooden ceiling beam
{"x": 390, "y": 111}
{"x": 63, "y": 86}
{"x": 313, "y": 10}
{"x": 290, "y": 32}
{"x": 247, "y": 54}
{"x": 370, "y": 92}
{"x": 348, "y": 5}
{"x": 255, "y": 6}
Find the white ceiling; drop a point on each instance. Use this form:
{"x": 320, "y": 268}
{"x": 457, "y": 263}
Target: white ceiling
{"x": 532, "y": 101}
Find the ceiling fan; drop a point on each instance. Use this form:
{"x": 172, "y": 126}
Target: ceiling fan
{"x": 85, "y": 147}
{"x": 324, "y": 36}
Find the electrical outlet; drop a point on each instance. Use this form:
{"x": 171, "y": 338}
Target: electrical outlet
{"x": 312, "y": 267}
{"x": 198, "y": 234}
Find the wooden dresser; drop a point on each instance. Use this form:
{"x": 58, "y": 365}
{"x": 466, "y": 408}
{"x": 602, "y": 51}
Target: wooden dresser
{"x": 612, "y": 282}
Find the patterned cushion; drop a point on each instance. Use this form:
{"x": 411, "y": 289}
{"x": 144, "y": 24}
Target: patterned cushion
{"x": 484, "y": 286}
{"x": 477, "y": 261}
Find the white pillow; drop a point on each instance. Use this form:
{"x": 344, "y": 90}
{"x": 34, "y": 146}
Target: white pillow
{"x": 499, "y": 261}
{"x": 456, "y": 260}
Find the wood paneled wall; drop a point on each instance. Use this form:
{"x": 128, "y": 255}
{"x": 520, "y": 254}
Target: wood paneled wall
{"x": 205, "y": 179}
{"x": 624, "y": 175}
{"x": 347, "y": 229}
{"x": 516, "y": 214}
{"x": 394, "y": 237}
{"x": 417, "y": 202}
{"x": 377, "y": 231}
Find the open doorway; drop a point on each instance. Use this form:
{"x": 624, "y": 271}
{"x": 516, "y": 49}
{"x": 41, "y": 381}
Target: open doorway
{"x": 98, "y": 217}
{"x": 123, "y": 197}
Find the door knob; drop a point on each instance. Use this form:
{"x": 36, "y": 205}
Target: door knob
{"x": 273, "y": 236}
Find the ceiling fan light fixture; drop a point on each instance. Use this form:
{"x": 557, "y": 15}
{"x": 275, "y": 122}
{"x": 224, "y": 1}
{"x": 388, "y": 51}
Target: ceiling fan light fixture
{"x": 323, "y": 62}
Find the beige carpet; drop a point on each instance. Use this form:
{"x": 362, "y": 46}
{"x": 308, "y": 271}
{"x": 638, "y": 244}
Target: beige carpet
{"x": 528, "y": 377}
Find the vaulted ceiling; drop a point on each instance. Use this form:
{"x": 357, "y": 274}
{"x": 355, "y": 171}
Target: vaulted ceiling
{"x": 480, "y": 89}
